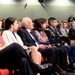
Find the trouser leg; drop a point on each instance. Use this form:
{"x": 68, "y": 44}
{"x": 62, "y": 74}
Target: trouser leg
{"x": 50, "y": 55}
{"x": 72, "y": 53}
{"x": 69, "y": 52}
{"x": 63, "y": 58}
{"x": 13, "y": 52}
{"x": 24, "y": 67}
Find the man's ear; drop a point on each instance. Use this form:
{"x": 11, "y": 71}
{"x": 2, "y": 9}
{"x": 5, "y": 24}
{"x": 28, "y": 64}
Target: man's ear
{"x": 11, "y": 25}
{"x": 51, "y": 22}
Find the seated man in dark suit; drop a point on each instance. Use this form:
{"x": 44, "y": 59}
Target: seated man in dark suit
{"x": 29, "y": 38}
{"x": 54, "y": 38}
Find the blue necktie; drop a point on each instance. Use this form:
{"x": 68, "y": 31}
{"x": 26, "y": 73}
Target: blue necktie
{"x": 14, "y": 34}
{"x": 35, "y": 38}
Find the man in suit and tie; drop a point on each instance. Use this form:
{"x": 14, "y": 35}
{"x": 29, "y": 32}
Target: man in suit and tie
{"x": 29, "y": 38}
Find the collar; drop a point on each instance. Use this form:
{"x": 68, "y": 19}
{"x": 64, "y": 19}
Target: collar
{"x": 51, "y": 27}
{"x": 73, "y": 28}
{"x": 28, "y": 30}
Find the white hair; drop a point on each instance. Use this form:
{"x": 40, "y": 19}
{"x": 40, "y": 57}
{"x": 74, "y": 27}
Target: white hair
{"x": 25, "y": 21}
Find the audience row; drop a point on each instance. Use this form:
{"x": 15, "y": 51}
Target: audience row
{"x": 38, "y": 38}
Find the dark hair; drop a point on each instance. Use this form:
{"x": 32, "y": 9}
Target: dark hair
{"x": 51, "y": 19}
{"x": 38, "y": 22}
{"x": 9, "y": 21}
{"x": 64, "y": 22}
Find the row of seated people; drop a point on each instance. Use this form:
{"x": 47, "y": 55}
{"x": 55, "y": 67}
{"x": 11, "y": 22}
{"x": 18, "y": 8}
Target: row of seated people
{"x": 63, "y": 31}
{"x": 6, "y": 24}
{"x": 53, "y": 54}
{"x": 28, "y": 35}
{"x": 62, "y": 27}
{"x": 66, "y": 32}
{"x": 15, "y": 56}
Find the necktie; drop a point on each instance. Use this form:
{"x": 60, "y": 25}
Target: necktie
{"x": 34, "y": 38}
{"x": 56, "y": 31}
{"x": 14, "y": 34}
{"x": 66, "y": 31}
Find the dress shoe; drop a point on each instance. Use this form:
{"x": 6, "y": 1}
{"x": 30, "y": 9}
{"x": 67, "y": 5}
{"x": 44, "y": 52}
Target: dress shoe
{"x": 45, "y": 67}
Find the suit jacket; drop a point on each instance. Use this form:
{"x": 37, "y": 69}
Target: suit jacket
{"x": 64, "y": 32}
{"x": 26, "y": 38}
{"x": 72, "y": 33}
{"x": 48, "y": 53}
{"x": 9, "y": 38}
{"x": 54, "y": 37}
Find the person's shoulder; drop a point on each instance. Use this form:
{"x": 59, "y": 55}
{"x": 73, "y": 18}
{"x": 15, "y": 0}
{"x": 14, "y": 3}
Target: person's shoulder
{"x": 36, "y": 31}
{"x": 22, "y": 30}
{"x": 71, "y": 28}
{"x": 61, "y": 29}
{"x": 47, "y": 29}
{"x": 6, "y": 31}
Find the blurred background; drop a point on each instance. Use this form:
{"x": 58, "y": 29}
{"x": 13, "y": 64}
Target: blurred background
{"x": 60, "y": 9}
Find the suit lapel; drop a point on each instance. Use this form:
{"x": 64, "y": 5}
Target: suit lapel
{"x": 35, "y": 36}
{"x": 28, "y": 35}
